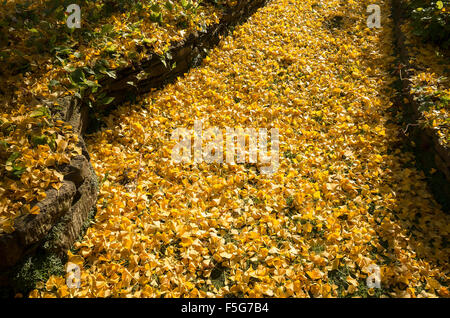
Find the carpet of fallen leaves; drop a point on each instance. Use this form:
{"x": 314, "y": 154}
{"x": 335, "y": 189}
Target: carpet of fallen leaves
{"x": 344, "y": 197}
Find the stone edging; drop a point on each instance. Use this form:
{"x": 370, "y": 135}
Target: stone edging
{"x": 66, "y": 208}
{"x": 426, "y": 140}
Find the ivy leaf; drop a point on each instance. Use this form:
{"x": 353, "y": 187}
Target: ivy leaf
{"x": 78, "y": 76}
{"x": 111, "y": 74}
{"x": 107, "y": 100}
{"x": 39, "y": 140}
{"x": 40, "y": 112}
{"x": 13, "y": 157}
